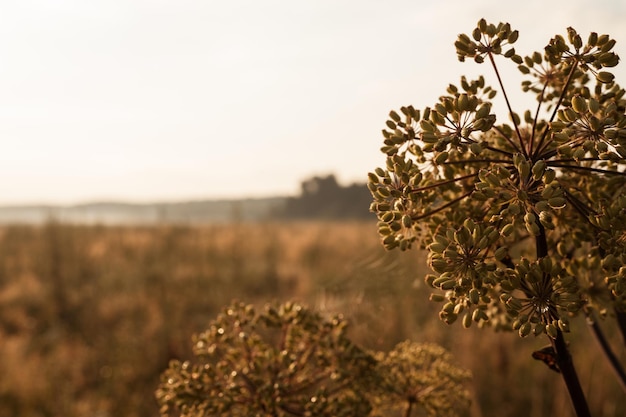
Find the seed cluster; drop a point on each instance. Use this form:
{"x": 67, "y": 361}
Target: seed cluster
{"x": 508, "y": 212}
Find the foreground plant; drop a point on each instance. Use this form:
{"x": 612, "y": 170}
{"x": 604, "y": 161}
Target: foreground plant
{"x": 524, "y": 222}
{"x": 289, "y": 361}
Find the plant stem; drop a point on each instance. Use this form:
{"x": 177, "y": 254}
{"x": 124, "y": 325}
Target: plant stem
{"x": 566, "y": 366}
{"x": 620, "y": 317}
{"x": 508, "y": 105}
{"x": 407, "y": 413}
{"x": 606, "y": 348}
{"x": 563, "y": 356}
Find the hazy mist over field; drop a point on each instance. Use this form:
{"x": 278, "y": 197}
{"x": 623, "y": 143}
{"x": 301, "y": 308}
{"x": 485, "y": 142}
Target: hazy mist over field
{"x": 146, "y": 101}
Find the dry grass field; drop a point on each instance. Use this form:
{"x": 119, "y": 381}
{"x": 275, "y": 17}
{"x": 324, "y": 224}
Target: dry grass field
{"x": 91, "y": 315}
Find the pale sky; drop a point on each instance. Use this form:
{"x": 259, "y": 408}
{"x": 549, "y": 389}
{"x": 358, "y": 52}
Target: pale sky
{"x": 153, "y": 100}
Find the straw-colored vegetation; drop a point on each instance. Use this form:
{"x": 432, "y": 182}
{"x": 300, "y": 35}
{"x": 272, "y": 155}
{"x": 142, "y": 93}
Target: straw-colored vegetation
{"x": 91, "y": 316}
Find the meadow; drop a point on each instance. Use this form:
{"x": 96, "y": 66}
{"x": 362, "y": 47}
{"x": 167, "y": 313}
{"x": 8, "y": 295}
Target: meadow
{"x": 91, "y": 315}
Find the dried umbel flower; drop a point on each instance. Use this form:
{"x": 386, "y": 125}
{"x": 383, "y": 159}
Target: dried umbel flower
{"x": 508, "y": 212}
{"x": 421, "y": 377}
{"x": 288, "y": 360}
{"x": 283, "y": 361}
{"x": 480, "y": 195}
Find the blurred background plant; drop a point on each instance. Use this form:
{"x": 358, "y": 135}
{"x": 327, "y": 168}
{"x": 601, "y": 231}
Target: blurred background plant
{"x": 420, "y": 379}
{"x": 290, "y": 361}
{"x": 524, "y": 222}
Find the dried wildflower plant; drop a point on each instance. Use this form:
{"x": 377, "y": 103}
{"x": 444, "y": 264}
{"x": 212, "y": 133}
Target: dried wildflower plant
{"x": 421, "y": 378}
{"x": 288, "y": 360}
{"x": 284, "y": 361}
{"x": 524, "y": 221}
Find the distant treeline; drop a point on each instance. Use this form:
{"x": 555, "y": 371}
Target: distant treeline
{"x": 322, "y": 197}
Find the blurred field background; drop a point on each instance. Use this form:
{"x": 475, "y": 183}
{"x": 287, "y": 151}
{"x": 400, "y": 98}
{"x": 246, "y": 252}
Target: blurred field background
{"x": 91, "y": 315}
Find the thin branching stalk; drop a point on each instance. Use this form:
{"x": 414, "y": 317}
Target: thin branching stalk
{"x": 508, "y": 105}
{"x": 606, "y": 348}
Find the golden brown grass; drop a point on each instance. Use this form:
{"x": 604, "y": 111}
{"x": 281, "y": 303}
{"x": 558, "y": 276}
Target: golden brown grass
{"x": 91, "y": 315}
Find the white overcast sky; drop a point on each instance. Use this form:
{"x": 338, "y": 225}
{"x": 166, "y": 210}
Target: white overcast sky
{"x": 153, "y": 100}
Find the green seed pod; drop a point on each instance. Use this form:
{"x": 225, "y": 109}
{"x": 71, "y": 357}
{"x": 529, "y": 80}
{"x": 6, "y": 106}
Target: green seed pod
{"x": 557, "y": 202}
{"x": 571, "y": 115}
{"x": 463, "y": 103}
{"x": 507, "y": 229}
{"x": 449, "y": 318}
{"x": 427, "y": 126}
{"x": 593, "y": 39}
{"x": 476, "y": 148}
{"x": 530, "y": 217}
{"x": 482, "y": 25}
{"x": 395, "y": 226}
{"x": 476, "y": 316}
{"x": 546, "y": 220}
{"x": 533, "y": 229}
{"x": 541, "y": 206}
{"x": 436, "y": 247}
{"x": 462, "y": 236}
{"x": 605, "y": 77}
{"x": 437, "y": 297}
{"x": 437, "y": 118}
{"x": 394, "y": 116}
{"x": 448, "y": 307}
{"x": 525, "y": 329}
{"x": 539, "y": 329}
{"x": 384, "y": 192}
{"x": 448, "y": 285}
{"x": 474, "y": 296}
{"x": 514, "y": 304}
{"x": 441, "y": 158}
{"x": 545, "y": 264}
{"x": 608, "y": 45}
{"x": 524, "y": 169}
{"x": 407, "y": 221}
{"x": 602, "y": 40}
{"x": 458, "y": 309}
{"x": 538, "y": 169}
{"x": 579, "y": 104}
{"x": 549, "y": 175}
{"x": 467, "y": 320}
{"x": 551, "y": 330}
{"x": 500, "y": 253}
